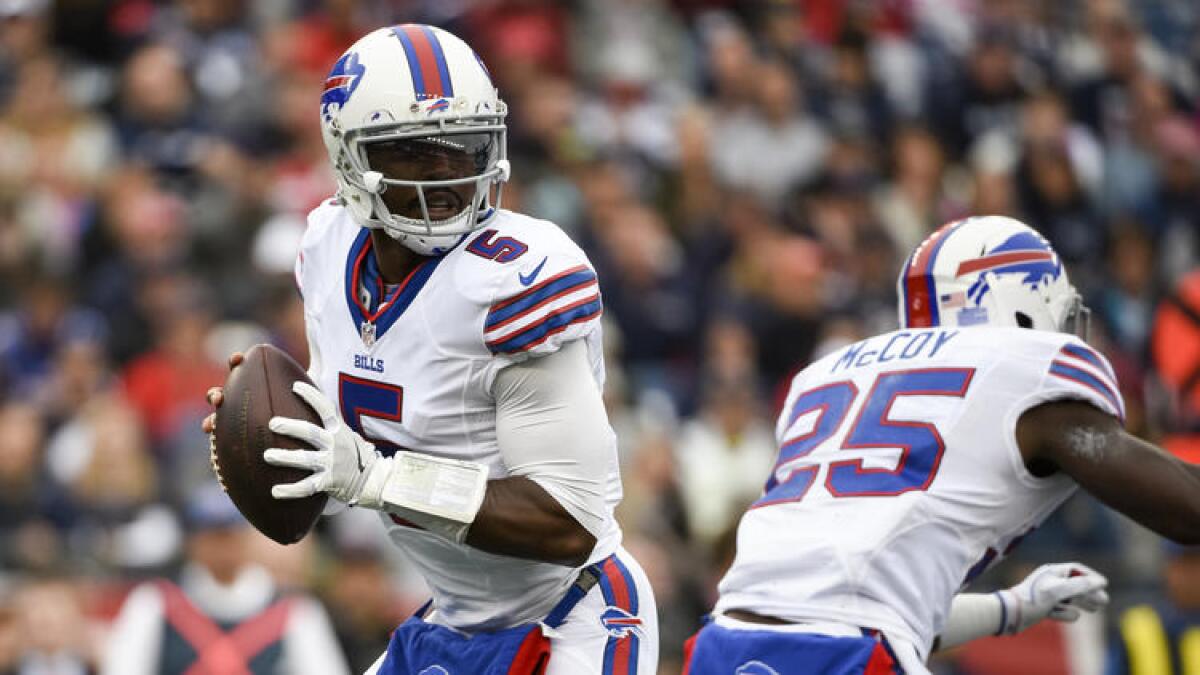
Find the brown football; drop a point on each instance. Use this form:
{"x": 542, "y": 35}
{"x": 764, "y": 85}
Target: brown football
{"x": 260, "y": 388}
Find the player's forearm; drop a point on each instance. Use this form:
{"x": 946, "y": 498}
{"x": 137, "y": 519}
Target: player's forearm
{"x": 1158, "y": 491}
{"x": 518, "y": 518}
{"x": 972, "y": 615}
{"x": 1126, "y": 473}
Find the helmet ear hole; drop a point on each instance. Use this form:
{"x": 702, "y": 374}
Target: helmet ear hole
{"x": 1023, "y": 320}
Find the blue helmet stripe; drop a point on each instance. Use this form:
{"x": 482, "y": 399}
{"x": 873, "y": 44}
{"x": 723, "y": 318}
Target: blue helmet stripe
{"x": 414, "y": 64}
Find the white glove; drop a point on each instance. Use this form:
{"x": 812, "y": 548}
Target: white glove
{"x": 1060, "y": 591}
{"x": 341, "y": 462}
{"x": 438, "y": 494}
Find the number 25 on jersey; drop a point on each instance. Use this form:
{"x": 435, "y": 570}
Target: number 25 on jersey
{"x": 921, "y": 445}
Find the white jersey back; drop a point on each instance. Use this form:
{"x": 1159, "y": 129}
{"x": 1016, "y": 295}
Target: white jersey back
{"x": 899, "y": 478}
{"x": 417, "y": 373}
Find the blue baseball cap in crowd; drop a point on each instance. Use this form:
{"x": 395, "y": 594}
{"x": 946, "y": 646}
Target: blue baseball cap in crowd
{"x": 209, "y": 508}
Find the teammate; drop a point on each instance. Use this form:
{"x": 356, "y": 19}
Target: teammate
{"x": 912, "y": 460}
{"x": 457, "y": 350}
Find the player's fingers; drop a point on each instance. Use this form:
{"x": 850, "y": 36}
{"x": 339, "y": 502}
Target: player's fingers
{"x": 309, "y": 460}
{"x": 1066, "y": 613}
{"x": 299, "y": 430}
{"x": 1067, "y": 590}
{"x": 235, "y": 360}
{"x": 298, "y": 490}
{"x": 209, "y": 424}
{"x": 317, "y": 401}
{"x": 1078, "y": 569}
{"x": 1091, "y": 602}
{"x": 1057, "y": 570}
{"x": 215, "y": 396}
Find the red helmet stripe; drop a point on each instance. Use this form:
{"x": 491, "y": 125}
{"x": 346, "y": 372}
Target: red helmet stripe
{"x": 428, "y": 75}
{"x": 920, "y": 300}
{"x": 1000, "y": 260}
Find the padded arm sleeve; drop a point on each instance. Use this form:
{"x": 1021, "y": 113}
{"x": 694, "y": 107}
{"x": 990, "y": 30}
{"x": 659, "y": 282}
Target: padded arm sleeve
{"x": 552, "y": 428}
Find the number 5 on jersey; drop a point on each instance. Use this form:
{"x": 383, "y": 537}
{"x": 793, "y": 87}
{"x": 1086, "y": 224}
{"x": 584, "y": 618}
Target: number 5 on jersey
{"x": 921, "y": 445}
{"x": 360, "y": 397}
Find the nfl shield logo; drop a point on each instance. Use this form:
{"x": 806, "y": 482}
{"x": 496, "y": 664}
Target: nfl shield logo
{"x": 368, "y": 334}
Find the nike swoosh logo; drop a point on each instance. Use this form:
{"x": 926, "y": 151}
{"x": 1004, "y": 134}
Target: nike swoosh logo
{"x": 526, "y": 280}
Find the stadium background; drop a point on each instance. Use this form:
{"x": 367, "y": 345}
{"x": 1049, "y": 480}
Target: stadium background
{"x": 747, "y": 177}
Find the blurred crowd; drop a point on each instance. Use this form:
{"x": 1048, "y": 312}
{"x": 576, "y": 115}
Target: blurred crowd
{"x": 746, "y": 176}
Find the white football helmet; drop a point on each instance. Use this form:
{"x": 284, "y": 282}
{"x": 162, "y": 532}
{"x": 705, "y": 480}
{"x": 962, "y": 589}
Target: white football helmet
{"x": 412, "y": 108}
{"x": 988, "y": 270}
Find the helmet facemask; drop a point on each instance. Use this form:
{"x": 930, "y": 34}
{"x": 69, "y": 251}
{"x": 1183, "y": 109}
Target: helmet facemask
{"x": 429, "y": 184}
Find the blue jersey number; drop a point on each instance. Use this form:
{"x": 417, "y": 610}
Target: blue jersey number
{"x": 367, "y": 398}
{"x": 920, "y": 443}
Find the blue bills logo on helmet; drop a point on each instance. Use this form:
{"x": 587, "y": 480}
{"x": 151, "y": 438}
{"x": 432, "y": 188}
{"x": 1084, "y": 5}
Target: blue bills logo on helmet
{"x": 1023, "y": 253}
{"x": 619, "y": 622}
{"x": 343, "y": 79}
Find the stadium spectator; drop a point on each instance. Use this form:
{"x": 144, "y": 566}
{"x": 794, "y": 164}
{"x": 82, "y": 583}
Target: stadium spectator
{"x": 747, "y": 173}
{"x": 51, "y": 632}
{"x": 225, "y": 614}
{"x": 1162, "y": 638}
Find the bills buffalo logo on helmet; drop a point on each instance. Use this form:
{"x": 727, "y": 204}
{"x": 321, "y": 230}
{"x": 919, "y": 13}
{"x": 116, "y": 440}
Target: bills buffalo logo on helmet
{"x": 343, "y": 79}
{"x": 619, "y": 622}
{"x": 1023, "y": 253}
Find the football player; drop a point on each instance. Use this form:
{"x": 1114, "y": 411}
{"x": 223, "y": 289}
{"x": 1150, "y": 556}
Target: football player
{"x": 456, "y": 349}
{"x": 911, "y": 461}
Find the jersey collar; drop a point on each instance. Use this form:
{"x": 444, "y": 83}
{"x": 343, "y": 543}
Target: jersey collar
{"x": 361, "y": 267}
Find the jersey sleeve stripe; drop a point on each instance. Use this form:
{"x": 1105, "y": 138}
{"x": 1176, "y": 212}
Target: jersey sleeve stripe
{"x": 555, "y": 322}
{"x": 1087, "y": 354}
{"x": 567, "y": 278}
{"x": 1067, "y": 371}
{"x": 494, "y": 325}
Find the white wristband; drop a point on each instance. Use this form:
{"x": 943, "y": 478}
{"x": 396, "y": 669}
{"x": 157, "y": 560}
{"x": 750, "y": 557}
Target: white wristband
{"x": 438, "y": 494}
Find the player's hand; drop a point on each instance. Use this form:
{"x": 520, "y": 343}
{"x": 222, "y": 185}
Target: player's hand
{"x": 1061, "y": 591}
{"x": 341, "y": 461}
{"x": 216, "y": 395}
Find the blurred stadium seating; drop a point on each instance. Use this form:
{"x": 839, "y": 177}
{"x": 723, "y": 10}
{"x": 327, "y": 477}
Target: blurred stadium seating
{"x": 747, "y": 177}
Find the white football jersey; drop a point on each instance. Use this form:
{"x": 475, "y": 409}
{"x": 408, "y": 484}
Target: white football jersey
{"x": 899, "y": 478}
{"x": 417, "y": 373}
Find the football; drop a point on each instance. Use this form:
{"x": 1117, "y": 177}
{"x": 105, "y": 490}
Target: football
{"x": 260, "y": 388}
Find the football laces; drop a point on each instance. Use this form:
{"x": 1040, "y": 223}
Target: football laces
{"x": 212, "y": 459}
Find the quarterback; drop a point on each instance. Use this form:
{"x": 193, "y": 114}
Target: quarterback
{"x": 911, "y": 461}
{"x": 456, "y": 348}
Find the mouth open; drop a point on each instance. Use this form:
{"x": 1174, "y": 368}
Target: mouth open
{"x": 442, "y": 203}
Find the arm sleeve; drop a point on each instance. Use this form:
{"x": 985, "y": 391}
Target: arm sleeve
{"x": 972, "y": 615}
{"x": 552, "y": 428}
{"x": 298, "y": 273}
